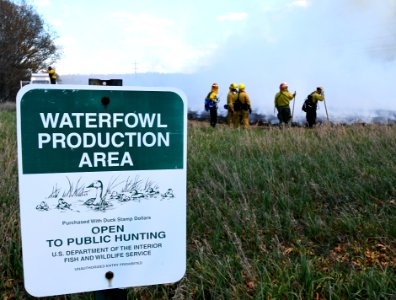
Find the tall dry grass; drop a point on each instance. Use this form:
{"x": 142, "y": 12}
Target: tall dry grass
{"x": 272, "y": 214}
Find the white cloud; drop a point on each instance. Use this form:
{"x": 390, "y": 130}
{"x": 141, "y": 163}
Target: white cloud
{"x": 300, "y": 3}
{"x": 141, "y": 22}
{"x": 233, "y": 16}
{"x": 157, "y": 44}
{"x": 56, "y": 22}
{"x": 42, "y": 3}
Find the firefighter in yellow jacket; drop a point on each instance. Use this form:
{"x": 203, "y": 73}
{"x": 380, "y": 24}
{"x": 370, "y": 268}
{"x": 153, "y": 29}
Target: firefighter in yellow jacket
{"x": 282, "y": 101}
{"x": 230, "y": 103}
{"x": 242, "y": 108}
{"x": 312, "y": 105}
{"x": 211, "y": 104}
{"x": 52, "y": 75}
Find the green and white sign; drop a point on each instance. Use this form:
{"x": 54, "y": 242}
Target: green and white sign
{"x": 102, "y": 185}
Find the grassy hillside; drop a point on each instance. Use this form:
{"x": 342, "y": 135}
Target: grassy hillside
{"x": 272, "y": 214}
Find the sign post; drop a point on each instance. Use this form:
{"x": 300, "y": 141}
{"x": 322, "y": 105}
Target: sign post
{"x": 102, "y": 185}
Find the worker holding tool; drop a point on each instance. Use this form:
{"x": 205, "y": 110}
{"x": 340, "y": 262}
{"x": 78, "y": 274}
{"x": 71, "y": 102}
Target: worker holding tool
{"x": 311, "y": 105}
{"x": 282, "y": 103}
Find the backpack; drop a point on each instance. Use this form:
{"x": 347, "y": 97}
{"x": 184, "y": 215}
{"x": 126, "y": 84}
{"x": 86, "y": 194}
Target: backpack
{"x": 308, "y": 104}
{"x": 207, "y": 102}
{"x": 238, "y": 104}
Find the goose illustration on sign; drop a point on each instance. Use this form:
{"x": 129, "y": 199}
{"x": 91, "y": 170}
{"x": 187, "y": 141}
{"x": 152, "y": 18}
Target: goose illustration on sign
{"x": 98, "y": 202}
{"x": 42, "y": 206}
{"x": 132, "y": 195}
{"x": 168, "y": 194}
{"x": 63, "y": 205}
{"x": 95, "y": 197}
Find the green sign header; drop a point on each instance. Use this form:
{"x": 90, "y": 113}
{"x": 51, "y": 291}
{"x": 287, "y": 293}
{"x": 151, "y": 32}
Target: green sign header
{"x": 97, "y": 129}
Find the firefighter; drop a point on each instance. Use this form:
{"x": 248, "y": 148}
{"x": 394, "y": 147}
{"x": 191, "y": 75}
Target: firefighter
{"x": 230, "y": 103}
{"x": 242, "y": 108}
{"x": 211, "y": 104}
{"x": 52, "y": 75}
{"x": 282, "y": 101}
{"x": 313, "y": 99}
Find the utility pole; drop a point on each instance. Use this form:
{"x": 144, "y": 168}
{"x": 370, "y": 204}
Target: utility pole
{"x": 135, "y": 66}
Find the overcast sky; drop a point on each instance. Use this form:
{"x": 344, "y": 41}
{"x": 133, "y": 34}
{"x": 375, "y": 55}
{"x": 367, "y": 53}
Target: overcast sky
{"x": 347, "y": 46}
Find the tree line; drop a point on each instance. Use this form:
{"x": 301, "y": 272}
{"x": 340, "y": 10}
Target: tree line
{"x": 26, "y": 46}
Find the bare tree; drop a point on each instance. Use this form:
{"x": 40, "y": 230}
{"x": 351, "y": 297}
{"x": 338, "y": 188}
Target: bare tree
{"x": 26, "y": 46}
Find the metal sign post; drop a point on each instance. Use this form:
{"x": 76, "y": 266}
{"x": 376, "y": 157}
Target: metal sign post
{"x": 102, "y": 185}
{"x": 112, "y": 294}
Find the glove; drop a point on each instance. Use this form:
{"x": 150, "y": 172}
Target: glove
{"x": 250, "y": 110}
{"x": 294, "y": 95}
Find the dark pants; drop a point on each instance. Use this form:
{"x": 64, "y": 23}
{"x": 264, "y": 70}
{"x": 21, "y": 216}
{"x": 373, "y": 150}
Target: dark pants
{"x": 53, "y": 80}
{"x": 311, "y": 117}
{"x": 213, "y": 116}
{"x": 284, "y": 114}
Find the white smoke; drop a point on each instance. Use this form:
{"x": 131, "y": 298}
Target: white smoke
{"x": 349, "y": 47}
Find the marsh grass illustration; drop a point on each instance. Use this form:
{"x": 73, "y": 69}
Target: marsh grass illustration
{"x": 75, "y": 189}
{"x": 272, "y": 214}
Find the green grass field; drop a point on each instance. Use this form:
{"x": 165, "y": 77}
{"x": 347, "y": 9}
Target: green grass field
{"x": 272, "y": 214}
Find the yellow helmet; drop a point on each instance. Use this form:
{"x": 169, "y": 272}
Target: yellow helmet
{"x": 233, "y": 86}
{"x": 241, "y": 86}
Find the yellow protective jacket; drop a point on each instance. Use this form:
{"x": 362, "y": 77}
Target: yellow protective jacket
{"x": 244, "y": 98}
{"x": 283, "y": 98}
{"x": 212, "y": 99}
{"x": 52, "y": 74}
{"x": 315, "y": 96}
{"x": 230, "y": 100}
{"x": 213, "y": 96}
